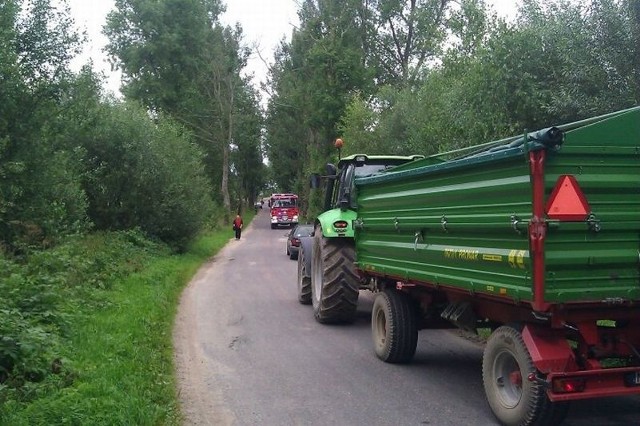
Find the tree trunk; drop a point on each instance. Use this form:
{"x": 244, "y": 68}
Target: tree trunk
{"x": 224, "y": 186}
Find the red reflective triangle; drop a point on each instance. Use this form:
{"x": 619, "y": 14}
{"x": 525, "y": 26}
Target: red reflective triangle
{"x": 567, "y": 202}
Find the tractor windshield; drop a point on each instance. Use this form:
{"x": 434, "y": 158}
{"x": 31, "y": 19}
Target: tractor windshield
{"x": 370, "y": 169}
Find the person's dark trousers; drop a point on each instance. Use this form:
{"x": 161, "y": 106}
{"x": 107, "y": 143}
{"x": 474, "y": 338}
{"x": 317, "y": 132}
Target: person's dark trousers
{"x": 238, "y": 232}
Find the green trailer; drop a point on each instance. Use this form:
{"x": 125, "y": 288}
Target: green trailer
{"x": 535, "y": 237}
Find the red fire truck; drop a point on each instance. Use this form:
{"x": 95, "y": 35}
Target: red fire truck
{"x": 284, "y": 209}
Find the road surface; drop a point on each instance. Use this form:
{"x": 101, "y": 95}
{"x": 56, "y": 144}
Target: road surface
{"x": 247, "y": 353}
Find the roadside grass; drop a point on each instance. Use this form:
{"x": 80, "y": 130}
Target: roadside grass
{"x": 116, "y": 356}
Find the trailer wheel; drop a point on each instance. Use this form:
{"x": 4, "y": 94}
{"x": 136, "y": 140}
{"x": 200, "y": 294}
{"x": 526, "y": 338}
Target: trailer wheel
{"x": 394, "y": 327}
{"x": 334, "y": 283}
{"x": 551, "y": 413}
{"x": 304, "y": 280}
{"x": 506, "y": 365}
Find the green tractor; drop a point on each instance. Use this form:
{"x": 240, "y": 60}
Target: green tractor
{"x": 327, "y": 277}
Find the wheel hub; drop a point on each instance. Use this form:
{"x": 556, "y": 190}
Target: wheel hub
{"x": 508, "y": 379}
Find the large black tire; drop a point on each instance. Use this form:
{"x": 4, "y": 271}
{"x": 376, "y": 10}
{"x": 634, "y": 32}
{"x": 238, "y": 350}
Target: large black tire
{"x": 394, "y": 327}
{"x": 334, "y": 283}
{"x": 304, "y": 277}
{"x": 515, "y": 400}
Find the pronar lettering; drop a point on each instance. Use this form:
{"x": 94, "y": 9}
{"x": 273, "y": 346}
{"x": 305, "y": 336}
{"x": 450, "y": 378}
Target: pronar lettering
{"x": 462, "y": 254}
{"x": 514, "y": 258}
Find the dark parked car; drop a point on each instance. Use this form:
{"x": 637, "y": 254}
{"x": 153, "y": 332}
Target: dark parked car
{"x": 293, "y": 239}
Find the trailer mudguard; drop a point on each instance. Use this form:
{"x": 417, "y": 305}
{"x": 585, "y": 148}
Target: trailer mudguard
{"x": 549, "y": 349}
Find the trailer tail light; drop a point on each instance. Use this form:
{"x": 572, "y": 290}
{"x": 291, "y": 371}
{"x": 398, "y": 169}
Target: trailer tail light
{"x": 568, "y": 385}
{"x": 567, "y": 201}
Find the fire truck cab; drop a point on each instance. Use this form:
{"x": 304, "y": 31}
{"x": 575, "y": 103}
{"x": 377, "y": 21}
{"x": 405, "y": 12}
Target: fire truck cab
{"x": 284, "y": 210}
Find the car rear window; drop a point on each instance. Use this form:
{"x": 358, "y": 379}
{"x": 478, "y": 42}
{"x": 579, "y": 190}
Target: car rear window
{"x": 304, "y": 232}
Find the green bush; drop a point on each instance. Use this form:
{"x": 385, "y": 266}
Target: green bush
{"x": 145, "y": 174}
{"x": 108, "y": 359}
{"x": 40, "y": 195}
{"x": 43, "y": 291}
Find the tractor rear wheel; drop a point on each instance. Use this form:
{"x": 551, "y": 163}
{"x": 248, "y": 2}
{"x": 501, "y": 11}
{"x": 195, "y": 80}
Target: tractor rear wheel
{"x": 334, "y": 283}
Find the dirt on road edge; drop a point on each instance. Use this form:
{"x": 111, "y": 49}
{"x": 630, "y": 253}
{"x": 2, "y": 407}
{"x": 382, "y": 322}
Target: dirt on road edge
{"x": 200, "y": 401}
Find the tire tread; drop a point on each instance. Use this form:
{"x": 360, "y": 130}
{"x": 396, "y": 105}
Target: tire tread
{"x": 340, "y": 288}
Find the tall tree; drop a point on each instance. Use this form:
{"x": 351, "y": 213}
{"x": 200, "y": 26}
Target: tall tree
{"x": 40, "y": 196}
{"x": 222, "y": 84}
{"x": 163, "y": 49}
{"x": 247, "y": 158}
{"x": 400, "y": 116}
{"x": 313, "y": 78}
{"x": 406, "y": 35}
{"x": 160, "y": 47}
{"x": 177, "y": 58}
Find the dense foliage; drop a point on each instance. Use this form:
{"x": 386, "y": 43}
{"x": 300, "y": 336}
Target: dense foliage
{"x": 424, "y": 76}
{"x": 74, "y": 161}
{"x": 177, "y": 58}
{"x": 40, "y": 195}
{"x": 71, "y": 160}
{"x": 41, "y": 293}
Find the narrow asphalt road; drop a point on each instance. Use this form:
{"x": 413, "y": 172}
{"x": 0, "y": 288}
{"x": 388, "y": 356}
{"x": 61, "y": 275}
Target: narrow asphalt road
{"x": 247, "y": 353}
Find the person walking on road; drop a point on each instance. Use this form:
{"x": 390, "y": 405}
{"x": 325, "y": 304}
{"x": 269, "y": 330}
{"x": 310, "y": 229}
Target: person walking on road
{"x": 237, "y": 226}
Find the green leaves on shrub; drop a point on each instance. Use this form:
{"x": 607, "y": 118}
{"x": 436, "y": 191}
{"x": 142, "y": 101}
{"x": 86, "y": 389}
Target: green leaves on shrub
{"x": 41, "y": 296}
{"x": 145, "y": 174}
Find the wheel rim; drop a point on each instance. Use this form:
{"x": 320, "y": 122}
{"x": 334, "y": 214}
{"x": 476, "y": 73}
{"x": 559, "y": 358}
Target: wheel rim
{"x": 380, "y": 324}
{"x": 508, "y": 379}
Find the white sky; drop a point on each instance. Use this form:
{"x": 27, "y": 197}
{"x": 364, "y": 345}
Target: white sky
{"x": 264, "y": 22}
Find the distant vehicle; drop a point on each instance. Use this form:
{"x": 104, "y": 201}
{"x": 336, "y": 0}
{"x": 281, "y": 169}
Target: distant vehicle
{"x": 258, "y": 205}
{"x": 284, "y": 210}
{"x": 293, "y": 239}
